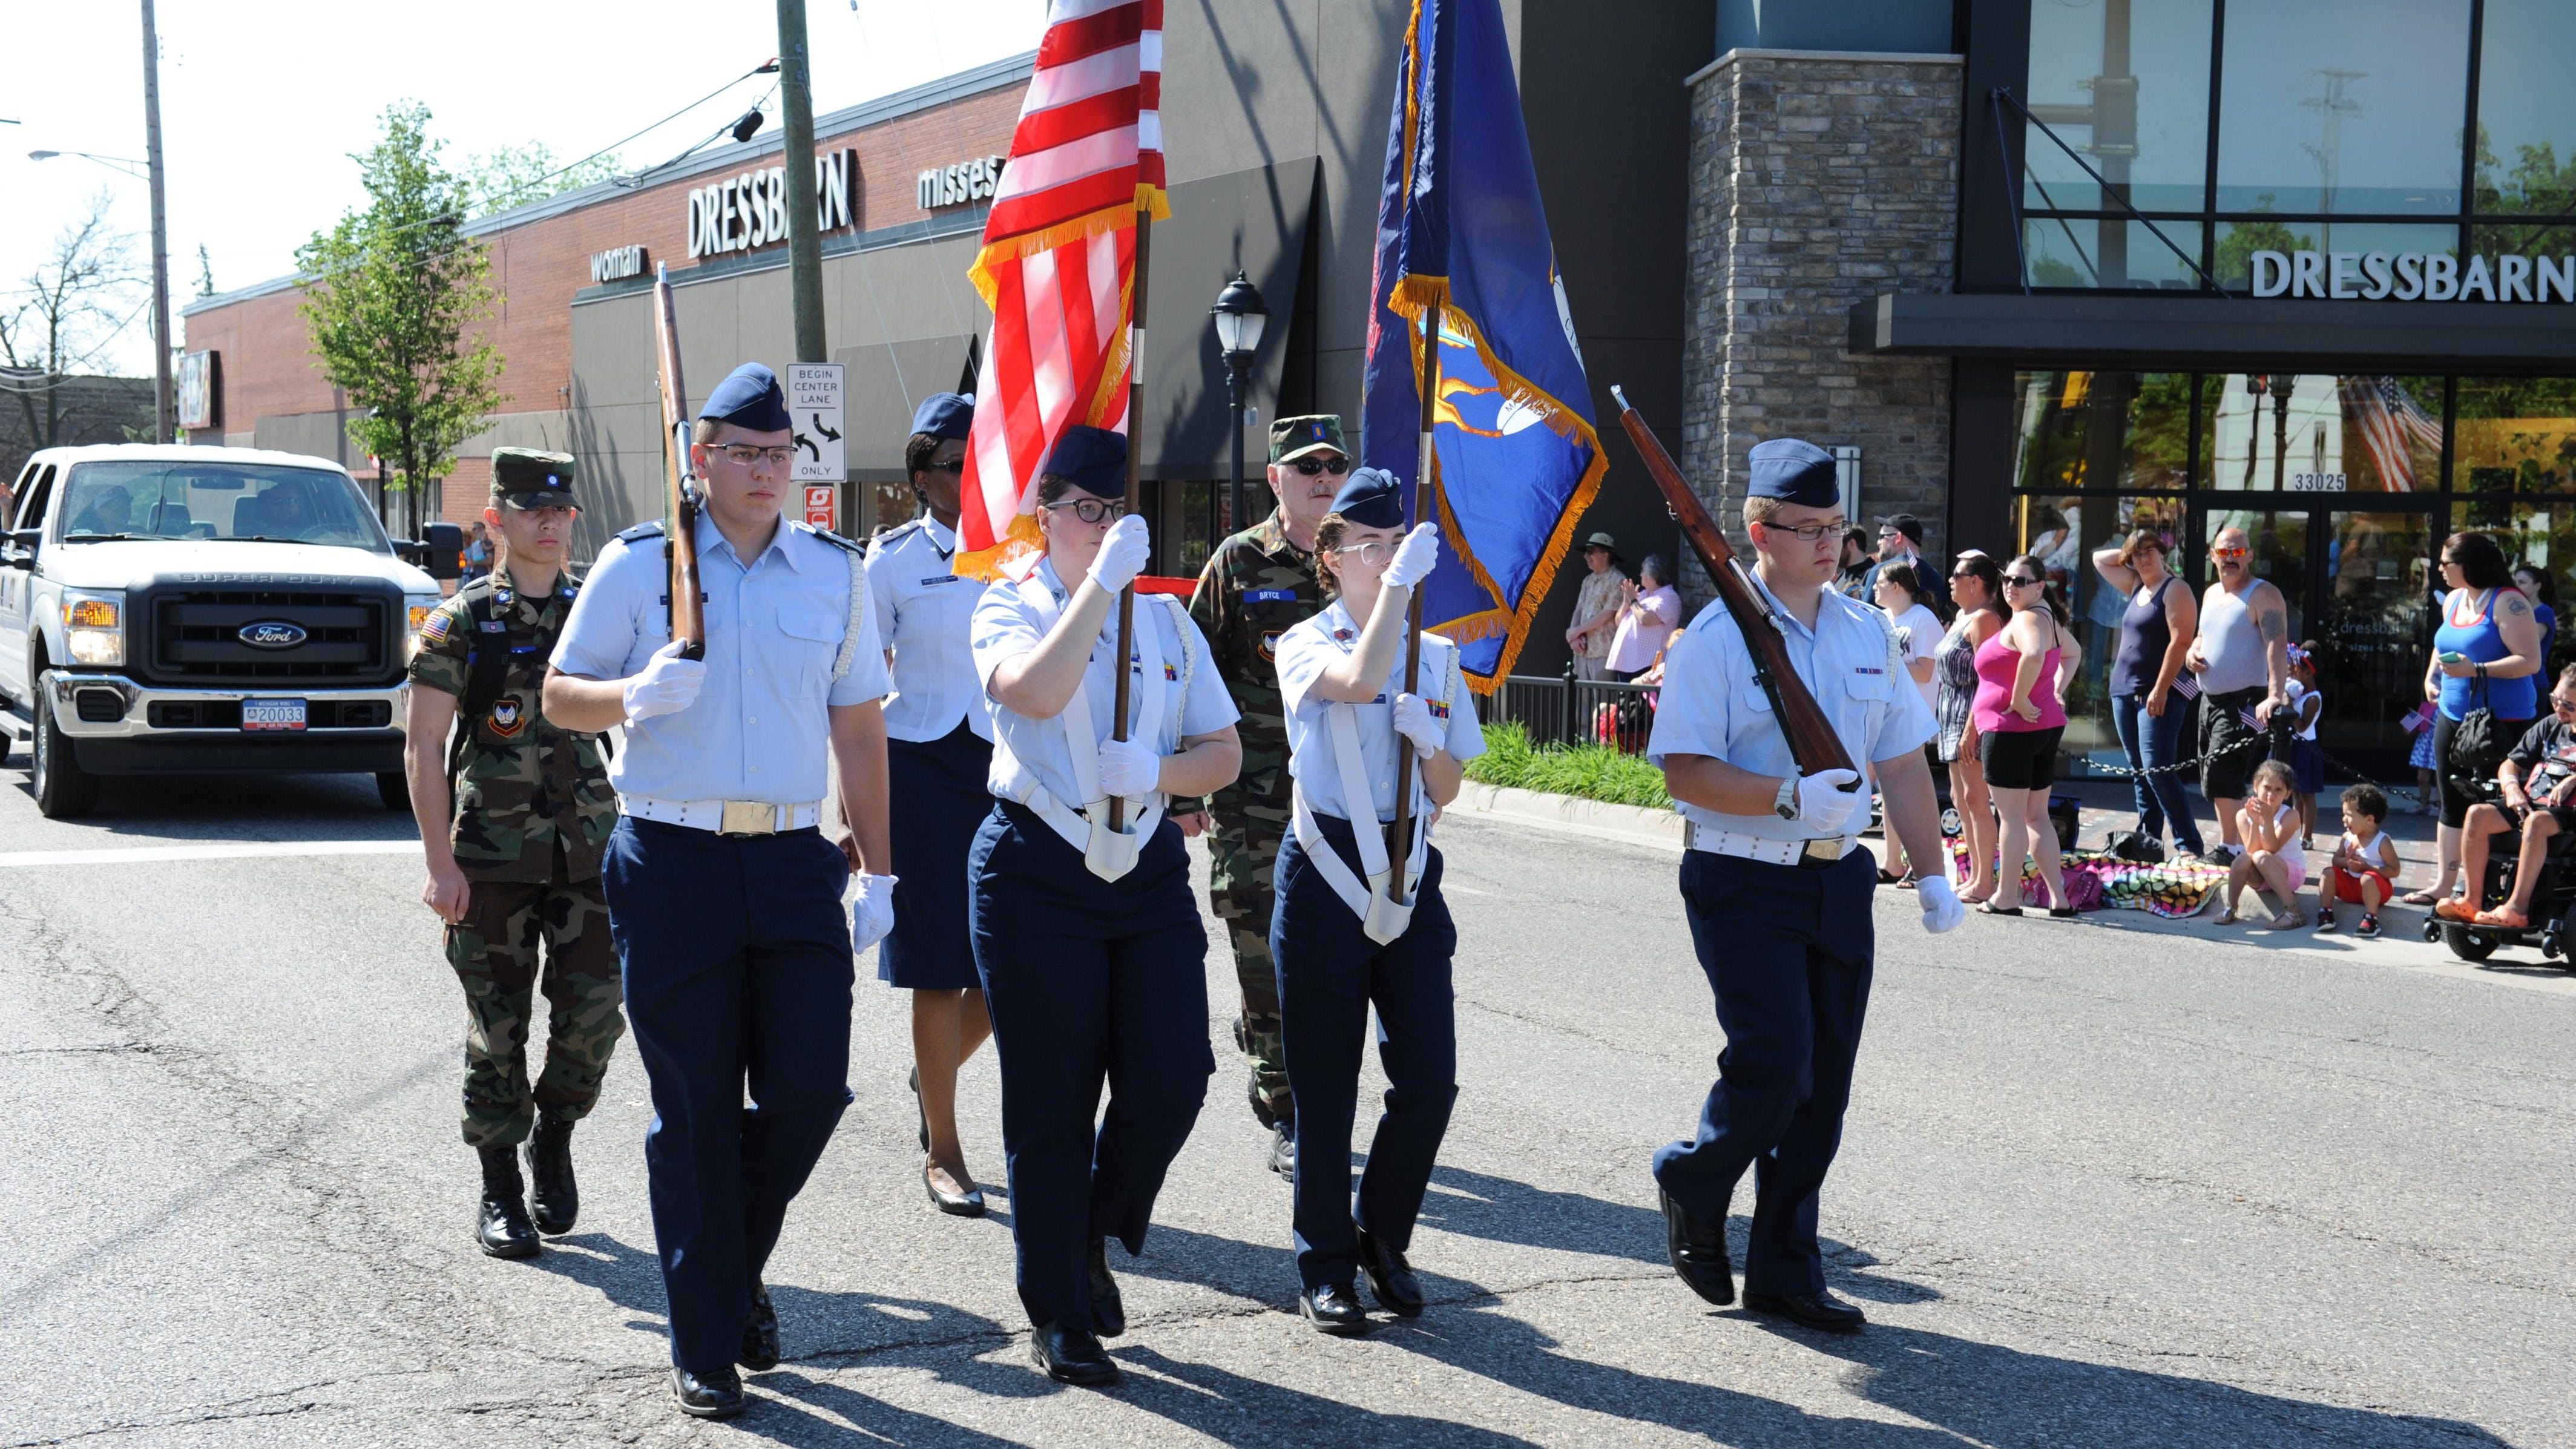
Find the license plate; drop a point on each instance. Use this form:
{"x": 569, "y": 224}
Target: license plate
{"x": 272, "y": 714}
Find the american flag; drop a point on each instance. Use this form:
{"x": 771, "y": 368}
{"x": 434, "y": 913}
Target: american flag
{"x": 1058, "y": 265}
{"x": 2391, "y": 424}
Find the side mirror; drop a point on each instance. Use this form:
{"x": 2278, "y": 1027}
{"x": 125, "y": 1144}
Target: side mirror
{"x": 443, "y": 551}
{"x": 18, "y": 548}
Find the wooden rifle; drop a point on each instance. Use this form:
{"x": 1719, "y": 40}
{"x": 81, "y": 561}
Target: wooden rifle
{"x": 1812, "y": 741}
{"x": 680, "y": 492}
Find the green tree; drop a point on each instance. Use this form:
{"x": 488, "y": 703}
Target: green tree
{"x": 2243, "y": 239}
{"x": 516, "y": 175}
{"x": 393, "y": 300}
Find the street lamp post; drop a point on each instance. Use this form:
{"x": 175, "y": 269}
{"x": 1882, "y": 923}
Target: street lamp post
{"x": 1240, "y": 317}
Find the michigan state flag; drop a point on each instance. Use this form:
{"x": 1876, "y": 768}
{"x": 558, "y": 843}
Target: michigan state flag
{"x": 1461, "y": 237}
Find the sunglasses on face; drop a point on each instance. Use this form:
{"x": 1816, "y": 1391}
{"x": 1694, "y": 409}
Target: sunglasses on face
{"x": 1093, "y": 510}
{"x": 2230, "y": 553}
{"x": 2562, "y": 705}
{"x": 954, "y": 465}
{"x": 1312, "y": 466}
{"x": 743, "y": 455}
{"x": 2016, "y": 581}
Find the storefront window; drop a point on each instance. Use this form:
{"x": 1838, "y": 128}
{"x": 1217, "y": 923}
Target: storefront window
{"x": 2516, "y": 435}
{"x": 2526, "y": 110}
{"x": 2239, "y": 240}
{"x": 2111, "y": 252}
{"x": 2132, "y": 95}
{"x": 2103, "y": 430}
{"x": 2350, "y": 106}
{"x": 2323, "y": 433}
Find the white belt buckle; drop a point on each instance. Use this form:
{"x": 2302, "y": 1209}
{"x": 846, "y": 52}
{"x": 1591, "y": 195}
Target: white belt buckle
{"x": 748, "y": 817}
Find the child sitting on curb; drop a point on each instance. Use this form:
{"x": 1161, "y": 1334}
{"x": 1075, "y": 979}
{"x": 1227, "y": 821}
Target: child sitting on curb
{"x": 2268, "y": 823}
{"x": 2364, "y": 869}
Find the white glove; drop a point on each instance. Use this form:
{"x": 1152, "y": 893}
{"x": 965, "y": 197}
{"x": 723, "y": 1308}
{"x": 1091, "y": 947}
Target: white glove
{"x": 1413, "y": 721}
{"x": 1128, "y": 769}
{"x": 1942, "y": 908}
{"x": 1823, "y": 802}
{"x": 668, "y": 684}
{"x": 872, "y": 914}
{"x": 1413, "y": 557}
{"x": 1122, "y": 554}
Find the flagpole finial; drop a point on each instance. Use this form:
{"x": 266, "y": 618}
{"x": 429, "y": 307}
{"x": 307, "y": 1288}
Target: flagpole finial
{"x": 1618, "y": 397}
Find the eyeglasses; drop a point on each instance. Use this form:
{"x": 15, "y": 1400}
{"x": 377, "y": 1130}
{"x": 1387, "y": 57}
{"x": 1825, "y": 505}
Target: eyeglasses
{"x": 2562, "y": 704}
{"x": 1813, "y": 532}
{"x": 953, "y": 465}
{"x": 1373, "y": 553}
{"x": 2449, "y": 562}
{"x": 1310, "y": 466}
{"x": 1092, "y": 510}
{"x": 2230, "y": 552}
{"x": 744, "y": 455}
{"x": 2018, "y": 581}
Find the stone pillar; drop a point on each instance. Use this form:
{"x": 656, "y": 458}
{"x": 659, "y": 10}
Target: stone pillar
{"x": 1818, "y": 179}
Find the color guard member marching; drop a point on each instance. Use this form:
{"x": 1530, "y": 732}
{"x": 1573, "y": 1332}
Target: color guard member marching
{"x": 1090, "y": 946}
{"x": 1342, "y": 942}
{"x": 1777, "y": 887}
{"x": 723, "y": 894}
{"x": 939, "y": 748}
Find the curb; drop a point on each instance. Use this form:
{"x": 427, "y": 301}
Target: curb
{"x": 1569, "y": 815}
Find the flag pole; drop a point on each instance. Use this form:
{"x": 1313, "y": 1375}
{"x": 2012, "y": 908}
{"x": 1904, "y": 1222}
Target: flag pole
{"x": 1135, "y": 421}
{"x": 1424, "y": 488}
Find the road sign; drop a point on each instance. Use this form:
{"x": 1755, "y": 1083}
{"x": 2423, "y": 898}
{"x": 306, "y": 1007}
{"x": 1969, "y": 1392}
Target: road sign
{"x": 814, "y": 399}
{"x": 822, "y": 505}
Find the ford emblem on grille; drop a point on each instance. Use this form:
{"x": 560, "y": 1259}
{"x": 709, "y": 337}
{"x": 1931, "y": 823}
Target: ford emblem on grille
{"x": 271, "y": 634}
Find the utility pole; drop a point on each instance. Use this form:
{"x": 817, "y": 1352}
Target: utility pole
{"x": 804, "y": 236}
{"x": 163, "y": 422}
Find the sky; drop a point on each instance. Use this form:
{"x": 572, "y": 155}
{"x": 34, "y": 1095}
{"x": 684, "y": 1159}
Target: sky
{"x": 262, "y": 101}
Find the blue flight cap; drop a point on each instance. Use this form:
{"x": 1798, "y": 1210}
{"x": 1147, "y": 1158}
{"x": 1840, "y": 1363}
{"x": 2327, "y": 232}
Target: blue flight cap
{"x": 1371, "y": 498}
{"x": 749, "y": 398}
{"x": 1793, "y": 472}
{"x": 945, "y": 415}
{"x": 1091, "y": 459}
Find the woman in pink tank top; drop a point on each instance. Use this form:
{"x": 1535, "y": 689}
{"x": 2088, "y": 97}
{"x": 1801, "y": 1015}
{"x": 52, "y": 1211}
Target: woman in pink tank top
{"x": 2020, "y": 720}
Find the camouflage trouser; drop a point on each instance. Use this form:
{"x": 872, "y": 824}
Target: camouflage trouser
{"x": 494, "y": 952}
{"x": 1243, "y": 848}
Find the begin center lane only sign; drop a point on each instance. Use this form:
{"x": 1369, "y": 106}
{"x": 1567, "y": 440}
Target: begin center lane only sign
{"x": 814, "y": 398}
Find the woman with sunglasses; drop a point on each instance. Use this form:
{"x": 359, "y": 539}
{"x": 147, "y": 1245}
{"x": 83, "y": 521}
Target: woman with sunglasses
{"x": 1087, "y": 939}
{"x": 2019, "y": 722}
{"x": 1343, "y": 941}
{"x": 2486, "y": 655}
{"x": 1977, "y": 587}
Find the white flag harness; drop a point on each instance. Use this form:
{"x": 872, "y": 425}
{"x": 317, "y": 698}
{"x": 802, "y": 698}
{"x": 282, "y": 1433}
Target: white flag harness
{"x": 1382, "y": 917}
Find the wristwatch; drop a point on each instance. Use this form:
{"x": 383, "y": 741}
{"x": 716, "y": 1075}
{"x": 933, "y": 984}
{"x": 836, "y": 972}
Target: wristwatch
{"x": 1785, "y": 804}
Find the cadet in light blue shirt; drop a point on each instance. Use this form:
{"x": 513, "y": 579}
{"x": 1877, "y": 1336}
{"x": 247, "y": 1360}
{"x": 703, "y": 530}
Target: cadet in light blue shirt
{"x": 723, "y": 896}
{"x": 1091, "y": 949}
{"x": 939, "y": 750}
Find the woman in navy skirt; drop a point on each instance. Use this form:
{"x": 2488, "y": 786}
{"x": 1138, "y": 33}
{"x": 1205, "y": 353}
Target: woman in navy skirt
{"x": 939, "y": 748}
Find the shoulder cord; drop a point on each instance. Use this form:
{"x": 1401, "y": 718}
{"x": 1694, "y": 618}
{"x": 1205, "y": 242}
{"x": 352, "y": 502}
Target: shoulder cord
{"x": 858, "y": 614}
{"x": 1189, "y": 655}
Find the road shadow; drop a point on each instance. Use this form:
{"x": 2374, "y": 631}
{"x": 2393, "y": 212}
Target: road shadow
{"x": 1232, "y": 1409}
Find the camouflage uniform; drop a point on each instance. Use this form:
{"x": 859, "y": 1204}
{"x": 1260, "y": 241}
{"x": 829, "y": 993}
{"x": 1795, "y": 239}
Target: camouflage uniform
{"x": 533, "y": 811}
{"x": 1256, "y": 586}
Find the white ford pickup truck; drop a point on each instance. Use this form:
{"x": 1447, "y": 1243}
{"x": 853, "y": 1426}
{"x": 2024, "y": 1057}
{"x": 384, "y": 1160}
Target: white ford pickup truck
{"x": 187, "y": 609}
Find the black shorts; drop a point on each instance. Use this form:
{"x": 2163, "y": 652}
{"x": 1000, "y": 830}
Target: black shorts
{"x": 2020, "y": 759}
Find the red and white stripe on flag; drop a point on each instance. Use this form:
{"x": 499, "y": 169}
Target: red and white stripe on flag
{"x": 1058, "y": 262}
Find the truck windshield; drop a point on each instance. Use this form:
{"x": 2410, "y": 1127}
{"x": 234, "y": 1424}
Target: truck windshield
{"x": 217, "y": 500}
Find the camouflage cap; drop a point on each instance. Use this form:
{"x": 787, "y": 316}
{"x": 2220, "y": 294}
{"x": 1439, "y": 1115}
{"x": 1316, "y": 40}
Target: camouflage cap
{"x": 533, "y": 478}
{"x": 1293, "y": 438}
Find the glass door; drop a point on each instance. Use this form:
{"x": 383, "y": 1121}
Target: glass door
{"x": 2372, "y": 619}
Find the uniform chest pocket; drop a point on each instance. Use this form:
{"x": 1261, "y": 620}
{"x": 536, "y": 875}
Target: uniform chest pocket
{"x": 1873, "y": 684}
{"x": 811, "y": 640}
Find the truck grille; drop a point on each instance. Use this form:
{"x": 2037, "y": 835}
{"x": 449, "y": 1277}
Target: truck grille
{"x": 196, "y": 636}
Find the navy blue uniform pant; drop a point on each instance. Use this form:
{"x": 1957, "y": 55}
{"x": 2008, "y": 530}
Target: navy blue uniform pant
{"x": 738, "y": 967}
{"x": 1330, "y": 974}
{"x": 1787, "y": 951}
{"x": 1087, "y": 980}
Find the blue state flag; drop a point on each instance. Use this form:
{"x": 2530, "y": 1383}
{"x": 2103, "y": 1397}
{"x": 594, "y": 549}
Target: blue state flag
{"x": 1461, "y": 238}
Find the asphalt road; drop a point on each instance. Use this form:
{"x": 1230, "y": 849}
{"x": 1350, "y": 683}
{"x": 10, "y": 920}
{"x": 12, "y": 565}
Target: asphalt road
{"x": 2100, "y": 1186}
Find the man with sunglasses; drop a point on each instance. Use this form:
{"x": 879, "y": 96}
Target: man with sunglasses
{"x": 2241, "y": 658}
{"x": 1257, "y": 585}
{"x": 724, "y": 896}
{"x": 2538, "y": 784}
{"x": 1776, "y": 885}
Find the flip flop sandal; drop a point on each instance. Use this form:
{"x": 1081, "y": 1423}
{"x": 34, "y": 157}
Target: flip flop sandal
{"x": 1887, "y": 877}
{"x": 1988, "y": 907}
{"x": 2420, "y": 898}
{"x": 2061, "y": 913}
{"x": 1908, "y": 881}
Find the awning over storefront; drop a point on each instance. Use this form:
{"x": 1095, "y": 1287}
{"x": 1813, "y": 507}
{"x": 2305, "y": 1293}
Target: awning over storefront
{"x": 2154, "y": 334}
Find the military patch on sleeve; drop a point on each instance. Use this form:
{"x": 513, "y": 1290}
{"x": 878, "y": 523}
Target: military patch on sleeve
{"x": 506, "y": 719}
{"x": 433, "y": 630}
{"x": 1270, "y": 644}
{"x": 1345, "y": 635}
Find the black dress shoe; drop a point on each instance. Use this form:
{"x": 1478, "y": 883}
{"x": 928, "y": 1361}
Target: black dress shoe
{"x": 967, "y": 1204}
{"x": 715, "y": 1396}
{"x": 759, "y": 1351}
{"x": 1108, "y": 1309}
{"x": 1334, "y": 1309}
{"x": 1390, "y": 1277}
{"x": 1698, "y": 1253}
{"x": 1811, "y": 1310}
{"x": 1283, "y": 1150}
{"x": 1071, "y": 1356}
{"x": 554, "y": 1199}
{"x": 501, "y": 1223}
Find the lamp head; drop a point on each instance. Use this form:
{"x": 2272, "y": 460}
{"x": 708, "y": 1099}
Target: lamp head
{"x": 1240, "y": 316}
{"x": 42, "y": 155}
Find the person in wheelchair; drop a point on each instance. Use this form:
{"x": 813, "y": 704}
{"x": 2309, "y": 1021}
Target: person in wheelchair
{"x": 2537, "y": 789}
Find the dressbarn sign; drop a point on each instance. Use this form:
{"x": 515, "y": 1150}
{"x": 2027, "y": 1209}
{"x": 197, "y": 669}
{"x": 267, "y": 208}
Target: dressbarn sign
{"x": 2414, "y": 277}
{"x": 742, "y": 212}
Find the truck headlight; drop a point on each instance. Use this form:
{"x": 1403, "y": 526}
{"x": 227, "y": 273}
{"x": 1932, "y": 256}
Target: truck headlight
{"x": 91, "y": 631}
{"x": 417, "y": 609}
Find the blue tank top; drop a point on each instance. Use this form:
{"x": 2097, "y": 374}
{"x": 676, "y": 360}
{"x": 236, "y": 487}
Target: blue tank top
{"x": 2483, "y": 643}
